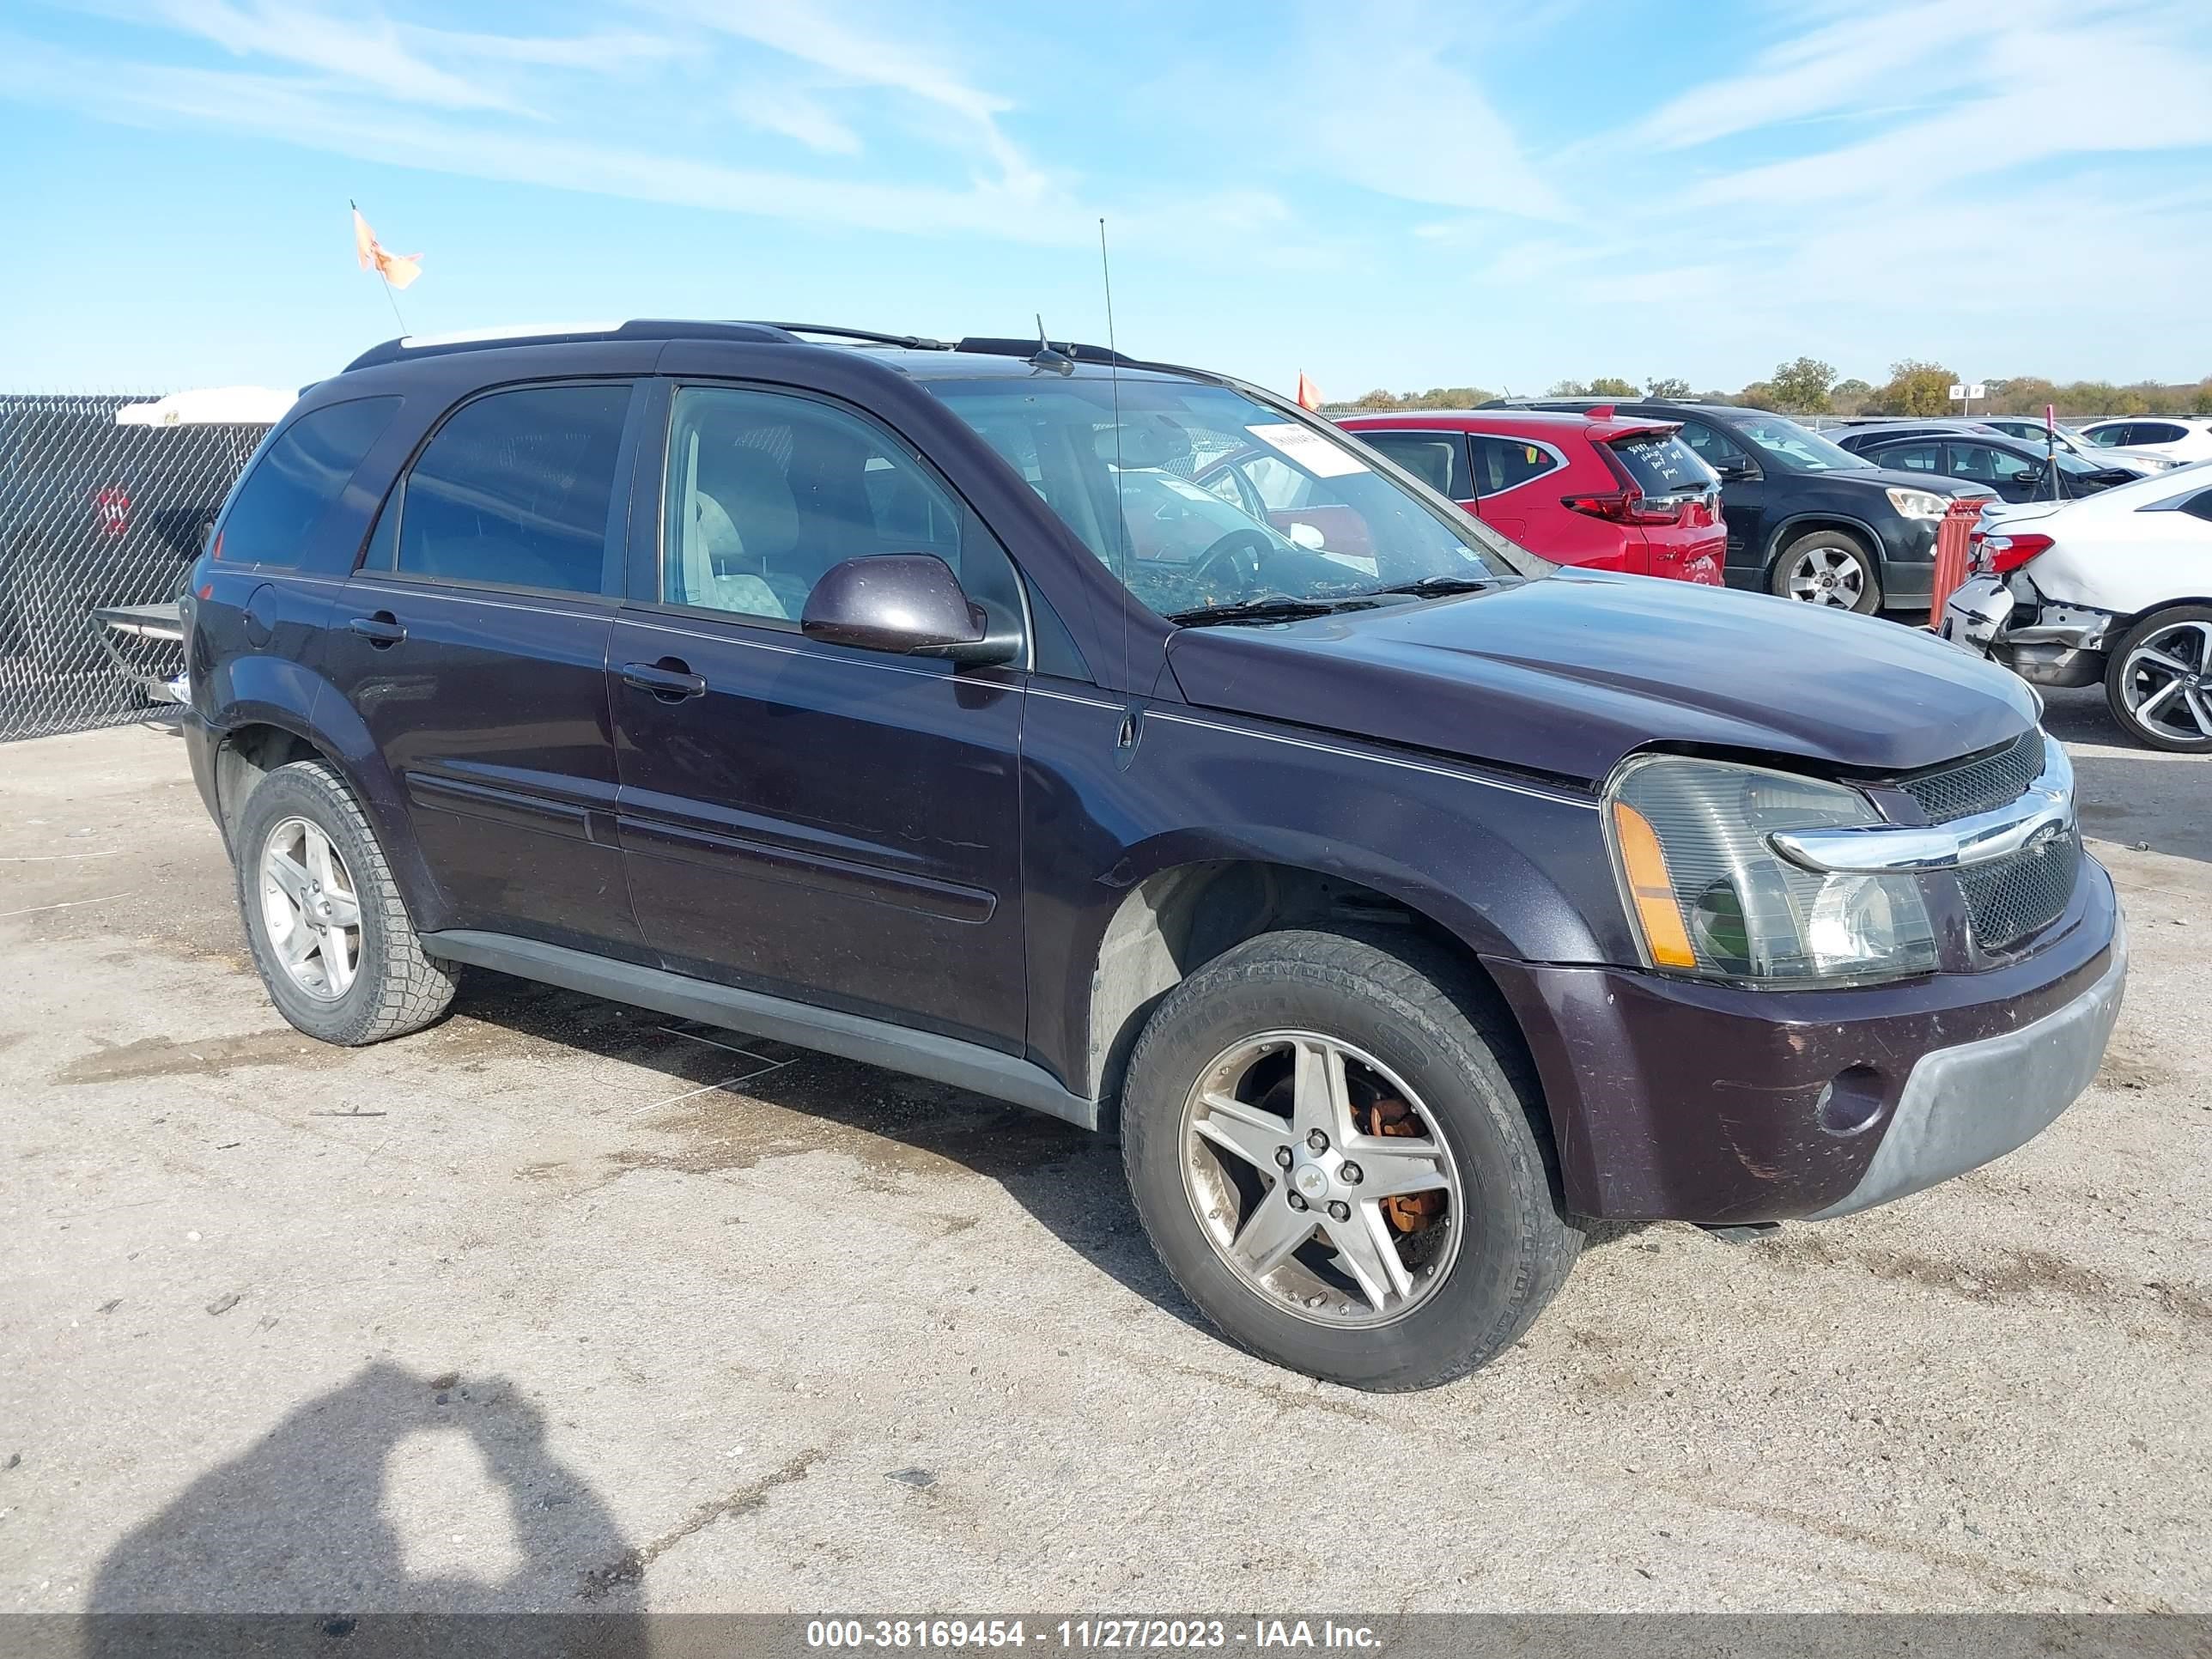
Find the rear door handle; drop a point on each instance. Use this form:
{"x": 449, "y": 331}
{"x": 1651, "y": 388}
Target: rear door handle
{"x": 671, "y": 679}
{"x": 379, "y": 631}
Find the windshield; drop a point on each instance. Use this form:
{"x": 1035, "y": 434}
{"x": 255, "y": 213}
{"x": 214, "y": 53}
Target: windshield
{"x": 1797, "y": 447}
{"x": 1202, "y": 499}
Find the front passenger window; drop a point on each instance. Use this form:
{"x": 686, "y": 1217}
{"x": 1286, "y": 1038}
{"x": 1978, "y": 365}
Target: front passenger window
{"x": 767, "y": 491}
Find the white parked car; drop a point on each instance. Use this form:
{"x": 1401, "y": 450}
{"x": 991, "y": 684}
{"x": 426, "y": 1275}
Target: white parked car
{"x": 2115, "y": 586}
{"x": 2141, "y": 462}
{"x": 2176, "y": 437}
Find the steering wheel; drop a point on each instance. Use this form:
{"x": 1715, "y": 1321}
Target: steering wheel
{"x": 1240, "y": 550}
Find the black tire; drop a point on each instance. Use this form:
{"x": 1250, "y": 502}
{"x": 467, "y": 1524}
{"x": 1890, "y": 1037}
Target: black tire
{"x": 397, "y": 986}
{"x": 2116, "y": 673}
{"x": 1812, "y": 543}
{"x": 1416, "y": 1011}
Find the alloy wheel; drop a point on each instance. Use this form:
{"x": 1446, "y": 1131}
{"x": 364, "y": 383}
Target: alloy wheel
{"x": 1828, "y": 575}
{"x": 2166, "y": 681}
{"x": 1320, "y": 1179}
{"x": 312, "y": 909}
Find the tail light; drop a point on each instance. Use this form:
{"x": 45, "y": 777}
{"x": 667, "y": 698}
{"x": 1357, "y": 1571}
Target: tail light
{"x": 1628, "y": 505}
{"x": 2000, "y": 554}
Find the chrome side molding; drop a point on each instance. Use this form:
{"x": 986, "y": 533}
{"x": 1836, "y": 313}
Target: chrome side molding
{"x": 2042, "y": 814}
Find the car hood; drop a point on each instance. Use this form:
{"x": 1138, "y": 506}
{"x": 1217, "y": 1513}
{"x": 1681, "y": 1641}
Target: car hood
{"x": 1567, "y": 675}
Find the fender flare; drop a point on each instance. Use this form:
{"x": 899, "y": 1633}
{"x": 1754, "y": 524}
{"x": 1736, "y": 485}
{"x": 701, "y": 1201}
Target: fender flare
{"x": 291, "y": 698}
{"x": 1780, "y": 533}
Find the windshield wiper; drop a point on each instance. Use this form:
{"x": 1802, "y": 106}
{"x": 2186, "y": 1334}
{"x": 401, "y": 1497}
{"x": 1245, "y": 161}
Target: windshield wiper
{"x": 1426, "y": 585}
{"x": 1275, "y": 610}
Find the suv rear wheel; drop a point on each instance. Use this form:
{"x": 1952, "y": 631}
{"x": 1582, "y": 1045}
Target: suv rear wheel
{"x": 1337, "y": 1159}
{"x": 328, "y": 930}
{"x": 1828, "y": 567}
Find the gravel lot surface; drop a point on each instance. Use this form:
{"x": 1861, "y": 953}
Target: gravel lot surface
{"x": 560, "y": 1305}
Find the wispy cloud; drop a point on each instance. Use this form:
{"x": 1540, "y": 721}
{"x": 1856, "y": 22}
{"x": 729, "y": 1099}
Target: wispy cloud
{"x": 368, "y": 53}
{"x": 2110, "y": 82}
{"x": 794, "y": 114}
{"x": 1869, "y": 56}
{"x": 879, "y": 54}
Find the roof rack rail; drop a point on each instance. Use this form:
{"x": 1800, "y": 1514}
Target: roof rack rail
{"x": 992, "y": 346}
{"x": 866, "y": 336}
{"x": 414, "y": 345}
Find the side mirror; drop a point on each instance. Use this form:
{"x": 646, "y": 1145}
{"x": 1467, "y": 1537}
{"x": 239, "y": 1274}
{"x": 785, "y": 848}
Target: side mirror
{"x": 909, "y": 602}
{"x": 1736, "y": 470}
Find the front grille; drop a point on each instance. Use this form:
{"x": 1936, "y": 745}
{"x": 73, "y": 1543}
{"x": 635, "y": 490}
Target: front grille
{"x": 2008, "y": 898}
{"x": 1997, "y": 779}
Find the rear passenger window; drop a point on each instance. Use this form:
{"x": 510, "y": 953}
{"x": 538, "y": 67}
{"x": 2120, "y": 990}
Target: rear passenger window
{"x": 1503, "y": 464}
{"x": 1923, "y": 455}
{"x": 515, "y": 489}
{"x": 296, "y": 479}
{"x": 1438, "y": 459}
{"x": 2156, "y": 432}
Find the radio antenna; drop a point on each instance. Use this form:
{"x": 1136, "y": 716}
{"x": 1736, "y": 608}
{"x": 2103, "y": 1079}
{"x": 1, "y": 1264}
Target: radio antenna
{"x": 1120, "y": 512}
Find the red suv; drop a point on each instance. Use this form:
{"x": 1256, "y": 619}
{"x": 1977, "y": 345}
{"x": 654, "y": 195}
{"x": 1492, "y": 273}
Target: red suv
{"x": 1596, "y": 489}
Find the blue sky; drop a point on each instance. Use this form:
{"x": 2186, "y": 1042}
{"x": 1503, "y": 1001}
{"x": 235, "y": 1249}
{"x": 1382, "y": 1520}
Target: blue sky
{"x": 1400, "y": 194}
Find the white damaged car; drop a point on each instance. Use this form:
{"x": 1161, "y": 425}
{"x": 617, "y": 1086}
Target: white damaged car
{"x": 2116, "y": 586}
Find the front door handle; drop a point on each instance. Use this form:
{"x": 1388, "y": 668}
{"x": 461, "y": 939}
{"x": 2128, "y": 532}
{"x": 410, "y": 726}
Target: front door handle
{"x": 671, "y": 679}
{"x": 380, "y": 630}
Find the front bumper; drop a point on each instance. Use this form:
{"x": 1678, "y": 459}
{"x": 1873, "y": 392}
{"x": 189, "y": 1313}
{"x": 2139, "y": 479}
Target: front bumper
{"x": 1964, "y": 1106}
{"x": 1683, "y": 1100}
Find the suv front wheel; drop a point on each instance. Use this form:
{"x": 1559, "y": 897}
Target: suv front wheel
{"x": 1338, "y": 1161}
{"x": 328, "y": 929}
{"x": 1828, "y": 567}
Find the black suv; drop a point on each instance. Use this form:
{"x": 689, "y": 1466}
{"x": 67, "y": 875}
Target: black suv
{"x": 1401, "y": 901}
{"x": 1806, "y": 518}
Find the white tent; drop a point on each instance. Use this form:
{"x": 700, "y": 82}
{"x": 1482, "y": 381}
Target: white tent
{"x": 219, "y": 405}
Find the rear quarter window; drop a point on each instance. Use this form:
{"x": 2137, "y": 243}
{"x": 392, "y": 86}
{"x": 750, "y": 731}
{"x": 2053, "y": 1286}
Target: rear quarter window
{"x": 305, "y": 468}
{"x": 1504, "y": 464}
{"x": 1663, "y": 465}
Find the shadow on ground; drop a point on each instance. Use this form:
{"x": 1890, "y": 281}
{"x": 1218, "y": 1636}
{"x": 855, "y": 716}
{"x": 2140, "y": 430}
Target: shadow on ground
{"x": 891, "y": 1124}
{"x": 300, "y": 1524}
{"x": 792, "y": 1101}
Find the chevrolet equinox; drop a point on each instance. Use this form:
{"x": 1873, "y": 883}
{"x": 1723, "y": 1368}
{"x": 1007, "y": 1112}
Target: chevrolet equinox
{"x": 1403, "y": 901}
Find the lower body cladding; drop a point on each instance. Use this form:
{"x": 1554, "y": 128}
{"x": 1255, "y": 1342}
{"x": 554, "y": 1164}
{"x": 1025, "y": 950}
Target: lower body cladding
{"x": 1679, "y": 1100}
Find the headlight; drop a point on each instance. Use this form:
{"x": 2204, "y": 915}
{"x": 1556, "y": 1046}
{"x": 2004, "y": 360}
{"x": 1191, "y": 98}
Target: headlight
{"x": 1916, "y": 503}
{"x": 1710, "y": 895}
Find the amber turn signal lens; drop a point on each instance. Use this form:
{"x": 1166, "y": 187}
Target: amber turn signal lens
{"x": 1651, "y": 888}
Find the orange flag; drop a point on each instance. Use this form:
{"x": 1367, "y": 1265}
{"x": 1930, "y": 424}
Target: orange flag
{"x": 397, "y": 269}
{"x": 1309, "y": 393}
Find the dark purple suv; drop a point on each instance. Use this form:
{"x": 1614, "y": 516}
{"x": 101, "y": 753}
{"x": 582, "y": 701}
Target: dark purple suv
{"x": 1404, "y": 902}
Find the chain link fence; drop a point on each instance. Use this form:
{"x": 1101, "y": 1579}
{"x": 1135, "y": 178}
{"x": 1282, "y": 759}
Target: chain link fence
{"x": 95, "y": 515}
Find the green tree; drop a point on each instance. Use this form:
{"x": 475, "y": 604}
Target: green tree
{"x": 1611, "y": 385}
{"x": 2201, "y": 403}
{"x": 1759, "y": 394}
{"x": 1567, "y": 389}
{"x": 1849, "y": 396}
{"x": 1666, "y": 385}
{"x": 1914, "y": 388}
{"x": 1801, "y": 385}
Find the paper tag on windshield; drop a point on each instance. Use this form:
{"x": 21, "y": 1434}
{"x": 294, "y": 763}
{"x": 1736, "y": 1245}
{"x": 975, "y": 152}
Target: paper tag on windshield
{"x": 1308, "y": 449}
